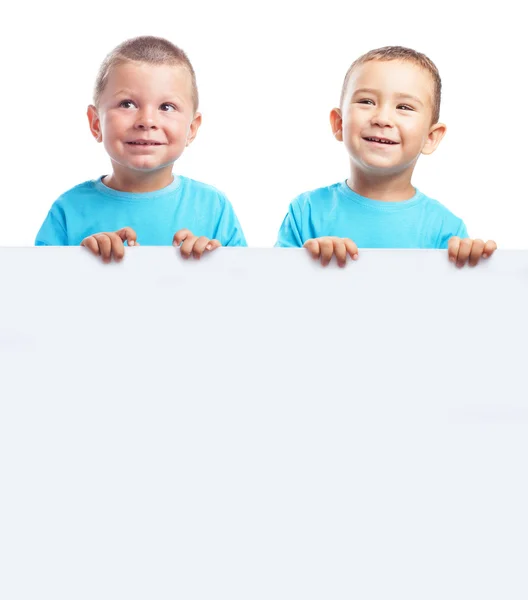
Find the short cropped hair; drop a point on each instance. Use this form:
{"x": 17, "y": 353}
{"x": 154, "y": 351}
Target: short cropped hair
{"x": 144, "y": 49}
{"x": 405, "y": 54}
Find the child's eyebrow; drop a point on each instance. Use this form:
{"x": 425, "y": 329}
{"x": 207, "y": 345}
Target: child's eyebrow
{"x": 124, "y": 91}
{"x": 366, "y": 91}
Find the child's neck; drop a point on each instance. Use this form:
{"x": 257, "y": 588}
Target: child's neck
{"x": 393, "y": 188}
{"x": 137, "y": 182}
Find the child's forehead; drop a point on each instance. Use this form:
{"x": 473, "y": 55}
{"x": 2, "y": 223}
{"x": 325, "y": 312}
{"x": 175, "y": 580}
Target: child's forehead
{"x": 139, "y": 72}
{"x": 399, "y": 76}
{"x": 147, "y": 81}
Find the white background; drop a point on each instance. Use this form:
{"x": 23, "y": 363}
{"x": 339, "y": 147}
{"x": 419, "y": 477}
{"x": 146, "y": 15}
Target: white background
{"x": 268, "y": 75}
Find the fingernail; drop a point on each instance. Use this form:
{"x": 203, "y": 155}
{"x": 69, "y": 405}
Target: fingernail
{"x": 209, "y": 246}
{"x": 484, "y": 256}
{"x": 355, "y": 257}
{"x": 131, "y": 243}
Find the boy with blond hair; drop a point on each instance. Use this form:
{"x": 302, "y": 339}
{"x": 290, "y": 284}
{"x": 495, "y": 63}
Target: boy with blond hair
{"x": 145, "y": 113}
{"x": 388, "y": 115}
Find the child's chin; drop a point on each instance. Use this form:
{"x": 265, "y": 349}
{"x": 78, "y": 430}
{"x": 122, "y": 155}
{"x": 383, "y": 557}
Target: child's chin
{"x": 379, "y": 162}
{"x": 146, "y": 166}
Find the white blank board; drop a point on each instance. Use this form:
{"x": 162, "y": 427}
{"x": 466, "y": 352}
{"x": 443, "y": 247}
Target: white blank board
{"x": 253, "y": 426}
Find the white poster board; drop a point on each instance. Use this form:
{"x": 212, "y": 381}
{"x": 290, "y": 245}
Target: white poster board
{"x": 253, "y": 426}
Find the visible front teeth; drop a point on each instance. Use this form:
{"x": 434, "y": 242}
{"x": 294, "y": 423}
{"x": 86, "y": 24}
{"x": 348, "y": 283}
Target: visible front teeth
{"x": 380, "y": 141}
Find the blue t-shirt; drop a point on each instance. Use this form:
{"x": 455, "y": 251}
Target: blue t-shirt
{"x": 92, "y": 207}
{"x": 336, "y": 210}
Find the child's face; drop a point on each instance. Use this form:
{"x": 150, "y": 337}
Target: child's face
{"x": 145, "y": 116}
{"x": 385, "y": 120}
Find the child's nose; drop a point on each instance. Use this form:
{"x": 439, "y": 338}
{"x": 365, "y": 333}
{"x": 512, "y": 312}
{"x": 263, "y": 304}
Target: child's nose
{"x": 382, "y": 117}
{"x": 146, "y": 119}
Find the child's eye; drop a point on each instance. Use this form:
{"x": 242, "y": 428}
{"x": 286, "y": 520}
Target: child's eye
{"x": 127, "y": 104}
{"x": 366, "y": 101}
{"x": 405, "y": 107}
{"x": 166, "y": 107}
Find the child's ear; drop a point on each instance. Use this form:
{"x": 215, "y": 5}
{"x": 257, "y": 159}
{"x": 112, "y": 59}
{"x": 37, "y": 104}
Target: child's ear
{"x": 434, "y": 137}
{"x": 95, "y": 123}
{"x": 193, "y": 129}
{"x": 336, "y": 121}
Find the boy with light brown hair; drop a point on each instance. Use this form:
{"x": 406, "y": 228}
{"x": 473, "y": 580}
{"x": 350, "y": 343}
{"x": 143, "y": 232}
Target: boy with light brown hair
{"x": 145, "y": 113}
{"x": 388, "y": 116}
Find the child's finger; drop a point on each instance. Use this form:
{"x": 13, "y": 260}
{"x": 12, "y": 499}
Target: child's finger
{"x": 352, "y": 249}
{"x": 128, "y": 235}
{"x": 327, "y": 250}
{"x": 340, "y": 250}
{"x": 118, "y": 248}
{"x": 92, "y": 245}
{"x": 105, "y": 246}
{"x": 180, "y": 236}
{"x": 464, "y": 252}
{"x": 313, "y": 247}
{"x": 199, "y": 246}
{"x": 213, "y": 245}
{"x": 452, "y": 248}
{"x": 489, "y": 248}
{"x": 476, "y": 252}
{"x": 187, "y": 245}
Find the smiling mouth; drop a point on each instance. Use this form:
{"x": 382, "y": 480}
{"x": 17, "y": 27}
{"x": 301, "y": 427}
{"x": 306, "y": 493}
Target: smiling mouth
{"x": 144, "y": 143}
{"x": 380, "y": 140}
